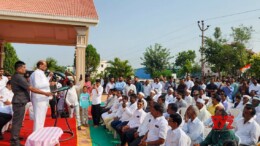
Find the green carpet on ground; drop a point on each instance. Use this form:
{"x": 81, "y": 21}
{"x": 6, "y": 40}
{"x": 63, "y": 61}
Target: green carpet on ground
{"x": 100, "y": 137}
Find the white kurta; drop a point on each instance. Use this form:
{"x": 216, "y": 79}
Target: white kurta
{"x": 177, "y": 137}
{"x": 40, "y": 102}
{"x": 3, "y": 82}
{"x": 248, "y": 132}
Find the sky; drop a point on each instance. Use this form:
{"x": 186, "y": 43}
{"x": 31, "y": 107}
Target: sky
{"x": 127, "y": 27}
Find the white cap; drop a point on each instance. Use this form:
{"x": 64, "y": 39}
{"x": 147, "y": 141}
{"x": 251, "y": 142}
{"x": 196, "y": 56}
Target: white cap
{"x": 170, "y": 89}
{"x": 256, "y": 98}
{"x": 205, "y": 97}
{"x": 141, "y": 93}
{"x": 247, "y": 96}
{"x": 152, "y": 91}
{"x": 201, "y": 100}
{"x": 188, "y": 91}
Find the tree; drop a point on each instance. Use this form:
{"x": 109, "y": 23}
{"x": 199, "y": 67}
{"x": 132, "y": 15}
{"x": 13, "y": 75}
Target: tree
{"x": 215, "y": 50}
{"x": 196, "y": 68}
{"x": 119, "y": 68}
{"x": 242, "y": 34}
{"x": 156, "y": 59}
{"x": 224, "y": 57}
{"x": 92, "y": 59}
{"x": 183, "y": 56}
{"x": 52, "y": 65}
{"x": 10, "y": 58}
{"x": 164, "y": 73}
{"x": 255, "y": 65}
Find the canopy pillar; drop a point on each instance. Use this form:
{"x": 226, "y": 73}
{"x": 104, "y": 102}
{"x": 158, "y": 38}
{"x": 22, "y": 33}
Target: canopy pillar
{"x": 82, "y": 40}
{"x": 2, "y": 53}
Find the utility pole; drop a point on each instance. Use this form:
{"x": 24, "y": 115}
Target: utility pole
{"x": 202, "y": 29}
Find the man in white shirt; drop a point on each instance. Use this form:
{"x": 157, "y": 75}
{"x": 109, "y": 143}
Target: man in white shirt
{"x": 40, "y": 102}
{"x": 127, "y": 112}
{"x": 7, "y": 92}
{"x": 175, "y": 135}
{"x": 135, "y": 136}
{"x": 256, "y": 104}
{"x": 97, "y": 91}
{"x": 245, "y": 100}
{"x": 141, "y": 97}
{"x": 158, "y": 128}
{"x": 3, "y": 79}
{"x": 147, "y": 88}
{"x": 157, "y": 95}
{"x": 110, "y": 85}
{"x": 193, "y": 127}
{"x": 188, "y": 97}
{"x": 117, "y": 114}
{"x": 72, "y": 101}
{"x": 134, "y": 122}
{"x": 255, "y": 86}
{"x": 111, "y": 98}
{"x": 203, "y": 112}
{"x": 247, "y": 128}
{"x": 157, "y": 85}
{"x": 108, "y": 116}
{"x": 169, "y": 97}
{"x": 129, "y": 86}
{"x": 189, "y": 83}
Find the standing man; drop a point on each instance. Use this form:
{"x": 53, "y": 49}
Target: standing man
{"x": 110, "y": 85}
{"x": 120, "y": 84}
{"x": 147, "y": 89}
{"x": 40, "y": 102}
{"x": 170, "y": 84}
{"x": 138, "y": 85}
{"x": 21, "y": 89}
{"x": 97, "y": 91}
{"x": 157, "y": 85}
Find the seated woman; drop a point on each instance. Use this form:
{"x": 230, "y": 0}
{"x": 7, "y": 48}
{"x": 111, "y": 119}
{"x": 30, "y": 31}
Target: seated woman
{"x": 218, "y": 137}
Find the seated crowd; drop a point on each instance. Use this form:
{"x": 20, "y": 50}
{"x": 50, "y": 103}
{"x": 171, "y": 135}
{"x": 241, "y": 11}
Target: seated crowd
{"x": 162, "y": 112}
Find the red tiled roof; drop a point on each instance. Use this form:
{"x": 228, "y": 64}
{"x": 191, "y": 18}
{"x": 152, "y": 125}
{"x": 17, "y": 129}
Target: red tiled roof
{"x": 64, "y": 8}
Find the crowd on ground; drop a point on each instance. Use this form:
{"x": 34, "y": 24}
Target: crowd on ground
{"x": 163, "y": 112}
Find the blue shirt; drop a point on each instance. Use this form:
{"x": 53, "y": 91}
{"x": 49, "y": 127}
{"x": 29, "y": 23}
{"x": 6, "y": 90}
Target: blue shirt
{"x": 84, "y": 100}
{"x": 228, "y": 91}
{"x": 120, "y": 85}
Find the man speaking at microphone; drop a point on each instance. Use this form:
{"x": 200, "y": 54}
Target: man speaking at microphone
{"x": 40, "y": 102}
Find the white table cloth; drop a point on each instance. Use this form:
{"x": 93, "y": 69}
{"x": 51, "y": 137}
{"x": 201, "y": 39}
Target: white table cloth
{"x": 48, "y": 136}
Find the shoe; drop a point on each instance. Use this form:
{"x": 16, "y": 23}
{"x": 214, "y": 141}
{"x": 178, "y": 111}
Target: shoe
{"x": 79, "y": 128}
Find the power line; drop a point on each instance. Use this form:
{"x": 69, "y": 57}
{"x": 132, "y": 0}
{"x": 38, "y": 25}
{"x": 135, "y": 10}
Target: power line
{"x": 229, "y": 15}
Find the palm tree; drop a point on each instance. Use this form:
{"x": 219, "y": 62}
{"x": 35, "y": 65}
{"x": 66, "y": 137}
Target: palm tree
{"x": 119, "y": 68}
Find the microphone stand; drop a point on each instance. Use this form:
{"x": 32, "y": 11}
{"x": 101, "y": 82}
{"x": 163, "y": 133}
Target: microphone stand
{"x": 69, "y": 131}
